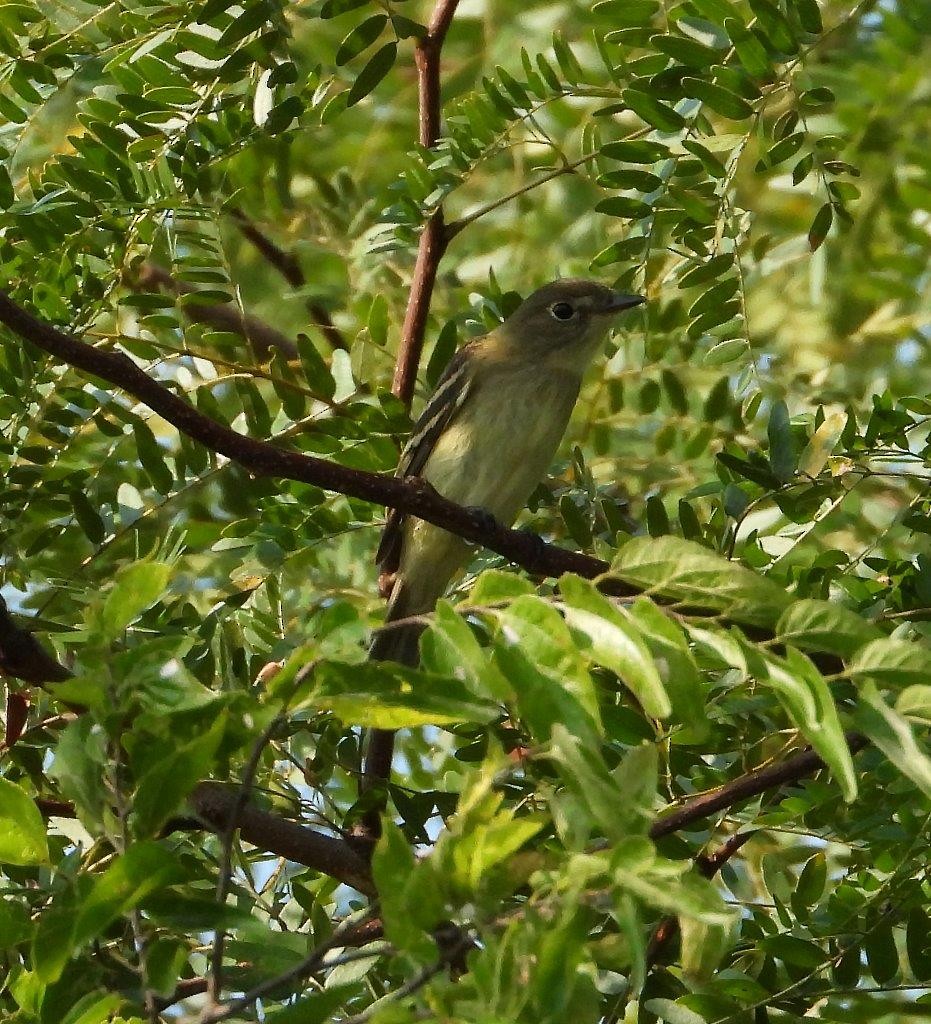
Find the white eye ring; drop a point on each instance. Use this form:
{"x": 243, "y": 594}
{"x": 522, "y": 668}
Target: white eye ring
{"x": 562, "y": 311}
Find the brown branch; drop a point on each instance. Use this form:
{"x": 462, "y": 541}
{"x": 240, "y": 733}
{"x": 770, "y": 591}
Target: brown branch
{"x": 55, "y": 808}
{"x": 433, "y": 239}
{"x": 361, "y": 935}
{"x": 311, "y": 963}
{"x": 22, "y": 657}
{"x": 213, "y": 802}
{"x": 267, "y": 460}
{"x": 286, "y": 263}
{"x": 221, "y": 316}
{"x": 708, "y": 864}
{"x": 794, "y": 768}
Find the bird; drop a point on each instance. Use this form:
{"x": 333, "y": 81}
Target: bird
{"x": 485, "y": 439}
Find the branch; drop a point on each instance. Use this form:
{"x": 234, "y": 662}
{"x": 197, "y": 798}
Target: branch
{"x": 433, "y": 239}
{"x": 230, "y": 826}
{"x": 266, "y": 460}
{"x": 752, "y": 784}
{"x": 22, "y": 657}
{"x": 312, "y": 962}
{"x": 286, "y": 263}
{"x": 456, "y": 226}
{"x": 708, "y": 865}
{"x": 213, "y": 802}
{"x": 221, "y": 316}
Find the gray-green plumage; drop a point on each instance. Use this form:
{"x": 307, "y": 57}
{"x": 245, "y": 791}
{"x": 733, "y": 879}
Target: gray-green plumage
{"x": 486, "y": 439}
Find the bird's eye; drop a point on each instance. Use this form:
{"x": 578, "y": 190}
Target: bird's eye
{"x": 562, "y": 311}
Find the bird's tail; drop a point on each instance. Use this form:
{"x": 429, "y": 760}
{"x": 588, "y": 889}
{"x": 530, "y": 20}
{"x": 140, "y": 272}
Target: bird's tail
{"x": 397, "y": 643}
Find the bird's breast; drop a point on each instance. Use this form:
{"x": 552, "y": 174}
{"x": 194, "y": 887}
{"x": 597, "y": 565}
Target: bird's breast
{"x": 496, "y": 452}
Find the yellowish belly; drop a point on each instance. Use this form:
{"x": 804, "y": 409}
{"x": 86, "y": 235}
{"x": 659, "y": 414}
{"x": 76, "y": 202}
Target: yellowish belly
{"x": 495, "y": 467}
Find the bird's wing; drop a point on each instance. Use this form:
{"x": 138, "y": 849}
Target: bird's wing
{"x": 452, "y": 389}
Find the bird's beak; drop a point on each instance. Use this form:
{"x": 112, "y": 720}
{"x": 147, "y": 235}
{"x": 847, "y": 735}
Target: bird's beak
{"x": 620, "y": 301}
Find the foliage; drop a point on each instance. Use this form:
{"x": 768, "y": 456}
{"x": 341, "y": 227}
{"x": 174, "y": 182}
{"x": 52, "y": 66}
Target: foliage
{"x": 750, "y": 455}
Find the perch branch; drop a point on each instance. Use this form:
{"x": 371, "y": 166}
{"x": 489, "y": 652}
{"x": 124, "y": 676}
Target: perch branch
{"x": 267, "y": 460}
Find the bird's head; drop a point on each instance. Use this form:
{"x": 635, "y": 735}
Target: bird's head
{"x": 569, "y": 316}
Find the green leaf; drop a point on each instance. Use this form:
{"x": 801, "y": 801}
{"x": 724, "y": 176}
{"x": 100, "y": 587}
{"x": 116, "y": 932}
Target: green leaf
{"x": 817, "y": 625}
{"x": 781, "y": 446}
{"x": 449, "y": 648}
{"x": 145, "y": 868}
{"x": 665, "y": 884}
{"x": 820, "y": 226}
{"x": 161, "y": 790}
{"x": 809, "y": 15}
{"x": 653, "y": 111}
{"x": 915, "y": 702}
{"x": 152, "y": 458}
{"x": 673, "y": 1012}
{"x": 94, "y": 1008}
{"x": 316, "y": 372}
{"x": 66, "y": 926}
{"x": 812, "y": 880}
{"x": 617, "y": 802}
{"x": 334, "y": 8}
{"x": 622, "y": 206}
{"x": 670, "y": 649}
{"x": 382, "y": 695}
{"x": 750, "y": 50}
{"x": 725, "y": 352}
{"x": 252, "y": 18}
{"x": 822, "y": 442}
{"x": 318, "y": 1007}
{"x": 361, "y": 37}
{"x": 495, "y": 585}
{"x": 409, "y": 906}
{"x": 615, "y": 642}
{"x": 137, "y": 586}
{"x": 893, "y": 735}
{"x": 774, "y": 26}
{"x": 918, "y": 943}
{"x": 22, "y": 830}
{"x": 692, "y": 575}
{"x": 882, "y": 956}
{"x": 381, "y": 62}
{"x": 793, "y": 950}
{"x": 892, "y": 662}
{"x": 806, "y": 696}
{"x": 164, "y": 961}
{"x": 549, "y": 674}
{"x": 685, "y": 50}
{"x": 721, "y": 100}
{"x": 635, "y": 151}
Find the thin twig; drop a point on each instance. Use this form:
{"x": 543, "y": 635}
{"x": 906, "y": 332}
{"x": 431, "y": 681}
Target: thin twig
{"x": 308, "y": 965}
{"x": 226, "y": 850}
{"x": 263, "y": 338}
{"x": 456, "y": 226}
{"x": 433, "y": 239}
{"x": 287, "y": 264}
{"x": 417, "y": 982}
